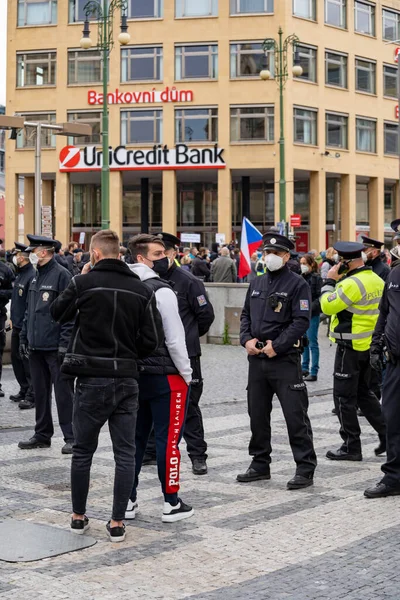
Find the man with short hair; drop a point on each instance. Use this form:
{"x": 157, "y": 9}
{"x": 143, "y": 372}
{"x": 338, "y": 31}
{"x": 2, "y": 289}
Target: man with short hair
{"x": 45, "y": 343}
{"x": 223, "y": 269}
{"x": 373, "y": 251}
{"x": 201, "y": 266}
{"x": 20, "y": 364}
{"x": 164, "y": 382}
{"x": 116, "y": 322}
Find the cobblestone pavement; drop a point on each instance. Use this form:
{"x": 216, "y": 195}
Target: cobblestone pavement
{"x": 246, "y": 541}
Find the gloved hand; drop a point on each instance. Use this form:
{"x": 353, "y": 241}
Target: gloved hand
{"x": 376, "y": 361}
{"x": 24, "y": 350}
{"x": 61, "y": 354}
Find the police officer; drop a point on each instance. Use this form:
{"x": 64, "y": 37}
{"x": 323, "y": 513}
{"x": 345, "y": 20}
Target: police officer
{"x": 6, "y": 280}
{"x": 46, "y": 342}
{"x": 373, "y": 251}
{"x": 395, "y": 225}
{"x": 274, "y": 319}
{"x": 353, "y": 305}
{"x": 387, "y": 334}
{"x": 197, "y": 315}
{"x": 25, "y": 274}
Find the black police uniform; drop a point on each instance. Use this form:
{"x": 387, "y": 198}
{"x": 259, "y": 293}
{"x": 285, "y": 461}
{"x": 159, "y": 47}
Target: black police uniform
{"x": 48, "y": 342}
{"x": 19, "y": 296}
{"x": 6, "y": 280}
{"x": 387, "y": 332}
{"x": 277, "y": 308}
{"x": 197, "y": 315}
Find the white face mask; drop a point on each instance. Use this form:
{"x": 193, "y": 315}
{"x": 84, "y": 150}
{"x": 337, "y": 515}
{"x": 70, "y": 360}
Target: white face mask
{"x": 305, "y": 269}
{"x": 15, "y": 262}
{"x": 364, "y": 257}
{"x": 34, "y": 259}
{"x": 273, "y": 262}
{"x": 335, "y": 258}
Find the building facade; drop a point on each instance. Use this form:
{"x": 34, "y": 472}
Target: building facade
{"x": 194, "y": 131}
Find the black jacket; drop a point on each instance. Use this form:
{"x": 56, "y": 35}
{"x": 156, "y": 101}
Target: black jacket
{"x": 389, "y": 315}
{"x": 71, "y": 264}
{"x": 6, "y": 279}
{"x": 379, "y": 267}
{"x": 277, "y": 308}
{"x": 116, "y": 321}
{"x": 195, "y": 309}
{"x": 61, "y": 261}
{"x": 200, "y": 268}
{"x": 20, "y": 294}
{"x": 314, "y": 280}
{"x": 39, "y": 328}
{"x": 159, "y": 362}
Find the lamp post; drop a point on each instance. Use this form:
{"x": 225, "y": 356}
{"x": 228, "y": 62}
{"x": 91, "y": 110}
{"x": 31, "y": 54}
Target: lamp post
{"x": 103, "y": 11}
{"x": 18, "y": 123}
{"x": 280, "y": 49}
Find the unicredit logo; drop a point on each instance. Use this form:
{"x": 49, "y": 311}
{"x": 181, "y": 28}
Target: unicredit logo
{"x": 70, "y": 157}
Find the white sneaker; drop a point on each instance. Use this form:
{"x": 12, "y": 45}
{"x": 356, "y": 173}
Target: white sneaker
{"x": 176, "y": 513}
{"x": 131, "y": 509}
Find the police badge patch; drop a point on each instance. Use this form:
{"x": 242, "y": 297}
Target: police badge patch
{"x": 45, "y": 296}
{"x": 202, "y": 300}
{"x": 332, "y": 297}
{"x": 304, "y": 305}
{"x": 20, "y": 292}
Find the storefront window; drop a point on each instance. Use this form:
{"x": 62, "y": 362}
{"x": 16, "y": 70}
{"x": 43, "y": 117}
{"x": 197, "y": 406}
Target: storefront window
{"x": 262, "y": 208}
{"x": 390, "y": 203}
{"x": 302, "y": 200}
{"x": 86, "y": 206}
{"x": 131, "y": 208}
{"x": 333, "y": 202}
{"x": 197, "y": 205}
{"x": 362, "y": 204}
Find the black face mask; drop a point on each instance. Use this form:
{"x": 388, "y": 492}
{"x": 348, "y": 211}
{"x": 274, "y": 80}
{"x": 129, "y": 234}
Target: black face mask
{"x": 161, "y": 266}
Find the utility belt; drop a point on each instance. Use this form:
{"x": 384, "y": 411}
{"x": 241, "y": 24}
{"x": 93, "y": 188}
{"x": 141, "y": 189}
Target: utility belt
{"x": 299, "y": 345}
{"x": 391, "y": 358}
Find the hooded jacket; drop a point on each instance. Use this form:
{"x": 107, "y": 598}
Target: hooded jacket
{"x": 172, "y": 357}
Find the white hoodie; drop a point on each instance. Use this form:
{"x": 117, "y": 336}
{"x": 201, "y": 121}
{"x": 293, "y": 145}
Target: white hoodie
{"x": 174, "y": 332}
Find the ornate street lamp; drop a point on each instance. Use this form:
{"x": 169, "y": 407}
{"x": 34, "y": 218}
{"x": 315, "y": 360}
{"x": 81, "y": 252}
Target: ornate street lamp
{"x": 280, "y": 49}
{"x": 103, "y": 12}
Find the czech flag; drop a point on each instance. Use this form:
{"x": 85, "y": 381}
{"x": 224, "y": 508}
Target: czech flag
{"x": 250, "y": 242}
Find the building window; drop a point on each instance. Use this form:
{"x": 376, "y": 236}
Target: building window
{"x": 336, "y": 69}
{"x": 390, "y": 25}
{"x": 305, "y": 126}
{"x": 246, "y": 7}
{"x": 301, "y": 200}
{"x": 142, "y": 64}
{"x": 366, "y": 135}
{"x": 84, "y": 66}
{"x": 252, "y": 124}
{"x": 362, "y": 203}
{"x": 306, "y": 57}
{"x": 336, "y": 130}
{"x": 390, "y": 81}
{"x": 365, "y": 76}
{"x": 2, "y": 161}
{"x": 391, "y": 138}
{"x": 76, "y": 12}
{"x": 36, "y": 69}
{"x": 335, "y": 13}
{"x": 90, "y": 118}
{"x": 364, "y": 17}
{"x": 304, "y": 8}
{"x": 196, "y": 125}
{"x": 141, "y": 127}
{"x": 37, "y": 12}
{"x": 26, "y": 137}
{"x": 249, "y": 58}
{"x": 145, "y": 9}
{"x": 86, "y": 205}
{"x": 196, "y": 8}
{"x": 390, "y": 206}
{"x": 196, "y": 62}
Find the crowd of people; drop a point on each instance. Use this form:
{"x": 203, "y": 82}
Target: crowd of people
{"x": 116, "y": 332}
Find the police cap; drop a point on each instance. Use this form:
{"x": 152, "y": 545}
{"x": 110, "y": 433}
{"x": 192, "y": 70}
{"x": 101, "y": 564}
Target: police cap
{"x": 349, "y": 250}
{"x": 370, "y": 243}
{"x": 275, "y": 241}
{"x": 37, "y": 241}
{"x": 77, "y": 250}
{"x": 19, "y": 248}
{"x": 395, "y": 225}
{"x": 170, "y": 241}
{"x": 57, "y": 246}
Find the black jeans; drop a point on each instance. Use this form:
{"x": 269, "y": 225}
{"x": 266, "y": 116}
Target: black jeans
{"x": 45, "y": 371}
{"x": 391, "y": 413}
{"x": 3, "y": 319}
{"x": 20, "y": 366}
{"x": 281, "y": 376}
{"x": 96, "y": 401}
{"x": 351, "y": 388}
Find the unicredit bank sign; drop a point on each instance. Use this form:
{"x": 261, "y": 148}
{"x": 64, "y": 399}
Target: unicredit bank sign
{"x": 157, "y": 158}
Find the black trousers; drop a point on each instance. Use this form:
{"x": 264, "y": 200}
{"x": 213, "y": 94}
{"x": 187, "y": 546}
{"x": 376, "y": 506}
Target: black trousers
{"x": 193, "y": 431}
{"x": 282, "y": 376}
{"x": 96, "y": 401}
{"x": 391, "y": 414}
{"x": 20, "y": 366}
{"x": 45, "y": 372}
{"x": 3, "y": 319}
{"x": 351, "y": 388}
